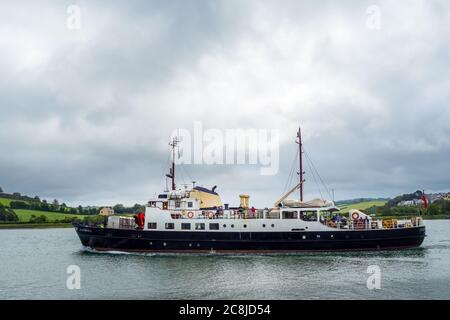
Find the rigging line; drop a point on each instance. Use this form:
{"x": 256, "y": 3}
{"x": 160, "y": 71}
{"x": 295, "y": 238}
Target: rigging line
{"x": 321, "y": 180}
{"x": 313, "y": 175}
{"x": 314, "y": 172}
{"x": 184, "y": 169}
{"x": 291, "y": 173}
{"x": 165, "y": 166}
{"x": 185, "y": 174}
{"x": 287, "y": 180}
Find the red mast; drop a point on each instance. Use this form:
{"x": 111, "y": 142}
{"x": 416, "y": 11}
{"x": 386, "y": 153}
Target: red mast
{"x": 300, "y": 150}
{"x": 171, "y": 175}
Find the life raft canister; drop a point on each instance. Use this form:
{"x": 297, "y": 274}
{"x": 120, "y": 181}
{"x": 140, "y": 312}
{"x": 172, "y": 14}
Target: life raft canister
{"x": 355, "y": 215}
{"x": 190, "y": 214}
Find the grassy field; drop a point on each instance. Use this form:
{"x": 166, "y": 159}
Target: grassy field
{"x": 25, "y": 215}
{"x": 361, "y": 205}
{"x": 5, "y": 202}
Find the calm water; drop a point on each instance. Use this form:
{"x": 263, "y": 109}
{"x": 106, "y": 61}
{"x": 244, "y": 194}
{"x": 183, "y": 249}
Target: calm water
{"x": 33, "y": 266}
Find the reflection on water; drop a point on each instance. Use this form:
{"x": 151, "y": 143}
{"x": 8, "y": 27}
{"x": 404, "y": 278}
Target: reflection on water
{"x": 35, "y": 262}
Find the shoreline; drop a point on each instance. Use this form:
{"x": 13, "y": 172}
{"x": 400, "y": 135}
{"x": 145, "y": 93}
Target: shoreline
{"x": 35, "y": 226}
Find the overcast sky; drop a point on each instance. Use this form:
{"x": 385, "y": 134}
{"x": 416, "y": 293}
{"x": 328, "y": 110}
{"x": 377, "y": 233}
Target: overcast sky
{"x": 86, "y": 114}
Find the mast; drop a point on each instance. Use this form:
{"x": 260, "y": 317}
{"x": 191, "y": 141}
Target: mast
{"x": 300, "y": 150}
{"x": 171, "y": 175}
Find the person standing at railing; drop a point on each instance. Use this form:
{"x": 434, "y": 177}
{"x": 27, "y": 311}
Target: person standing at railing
{"x": 253, "y": 210}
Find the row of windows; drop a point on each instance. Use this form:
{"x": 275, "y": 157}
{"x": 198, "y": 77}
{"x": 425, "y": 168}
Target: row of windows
{"x": 198, "y": 226}
{"x": 178, "y": 204}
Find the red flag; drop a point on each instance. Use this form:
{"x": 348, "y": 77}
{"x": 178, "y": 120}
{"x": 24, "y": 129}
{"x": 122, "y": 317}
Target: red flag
{"x": 424, "y": 200}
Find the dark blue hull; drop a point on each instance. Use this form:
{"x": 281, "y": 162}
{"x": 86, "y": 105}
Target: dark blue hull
{"x": 104, "y": 239}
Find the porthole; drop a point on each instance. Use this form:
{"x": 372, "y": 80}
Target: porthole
{"x": 232, "y": 225}
{"x": 318, "y": 236}
{"x": 303, "y": 237}
{"x": 198, "y": 244}
{"x": 332, "y": 236}
{"x": 224, "y": 225}
{"x": 347, "y": 236}
{"x": 151, "y": 243}
{"x": 273, "y": 226}
{"x": 264, "y": 225}
{"x": 190, "y": 244}
{"x": 164, "y": 244}
{"x": 245, "y": 226}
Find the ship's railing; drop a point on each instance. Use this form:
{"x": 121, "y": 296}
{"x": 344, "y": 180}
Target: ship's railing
{"x": 224, "y": 214}
{"x": 385, "y": 224}
{"x": 371, "y": 224}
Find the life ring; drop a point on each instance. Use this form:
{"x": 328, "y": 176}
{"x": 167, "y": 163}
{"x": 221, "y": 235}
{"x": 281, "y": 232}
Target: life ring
{"x": 190, "y": 214}
{"x": 355, "y": 215}
{"x": 210, "y": 215}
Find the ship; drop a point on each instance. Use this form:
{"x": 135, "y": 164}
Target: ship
{"x": 194, "y": 219}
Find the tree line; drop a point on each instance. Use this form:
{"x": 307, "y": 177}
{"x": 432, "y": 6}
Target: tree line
{"x": 439, "y": 207}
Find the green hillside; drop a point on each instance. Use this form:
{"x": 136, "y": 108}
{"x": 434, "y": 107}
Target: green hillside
{"x": 361, "y": 205}
{"x": 25, "y": 215}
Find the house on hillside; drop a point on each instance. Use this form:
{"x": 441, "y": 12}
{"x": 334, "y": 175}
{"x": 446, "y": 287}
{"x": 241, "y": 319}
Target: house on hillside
{"x": 106, "y": 211}
{"x": 413, "y": 202}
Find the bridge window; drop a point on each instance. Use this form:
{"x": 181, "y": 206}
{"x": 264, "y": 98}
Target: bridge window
{"x": 190, "y": 204}
{"x": 170, "y": 225}
{"x": 177, "y": 203}
{"x": 290, "y": 214}
{"x": 213, "y": 226}
{"x": 151, "y": 225}
{"x": 185, "y": 226}
{"x": 199, "y": 226}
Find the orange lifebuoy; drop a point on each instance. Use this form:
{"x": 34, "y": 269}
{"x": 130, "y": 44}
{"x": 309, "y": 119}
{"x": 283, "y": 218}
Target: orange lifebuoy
{"x": 355, "y": 215}
{"x": 190, "y": 214}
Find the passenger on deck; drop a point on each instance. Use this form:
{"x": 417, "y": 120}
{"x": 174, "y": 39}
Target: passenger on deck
{"x": 366, "y": 222}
